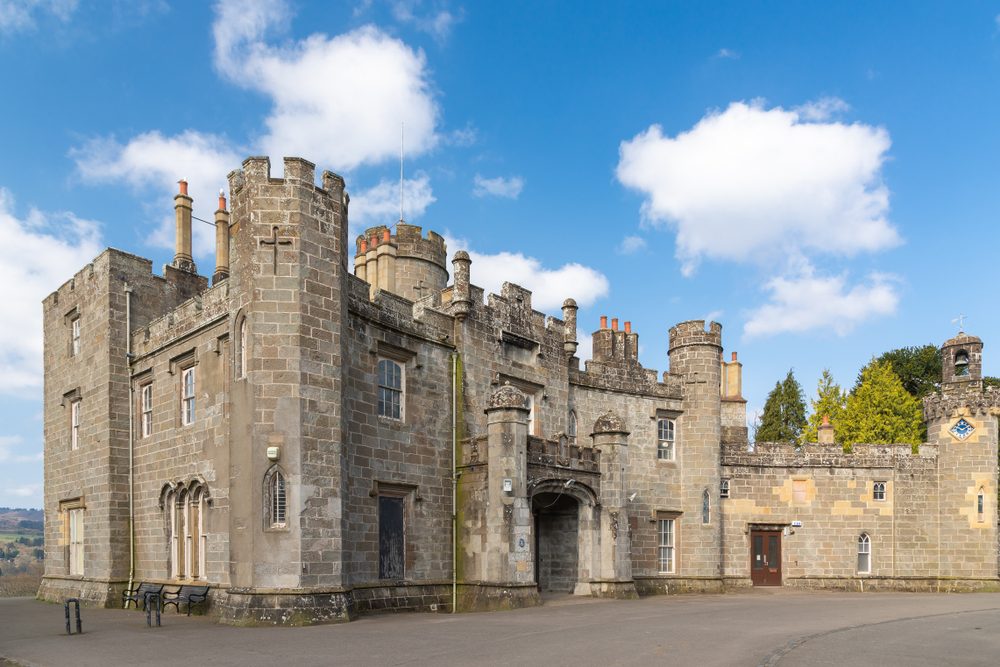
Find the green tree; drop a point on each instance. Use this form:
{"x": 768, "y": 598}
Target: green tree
{"x": 918, "y": 368}
{"x": 880, "y": 410}
{"x": 830, "y": 400}
{"x": 784, "y": 413}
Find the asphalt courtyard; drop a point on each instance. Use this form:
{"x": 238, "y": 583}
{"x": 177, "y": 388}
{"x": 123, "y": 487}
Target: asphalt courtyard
{"x": 783, "y": 627}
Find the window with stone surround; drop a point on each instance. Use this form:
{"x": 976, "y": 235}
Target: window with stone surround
{"x": 981, "y": 504}
{"x": 74, "y": 325}
{"x": 146, "y": 410}
{"x": 278, "y": 501}
{"x": 878, "y": 491}
{"x": 187, "y": 396}
{"x": 798, "y": 490}
{"x": 572, "y": 424}
{"x": 724, "y": 488}
{"x": 665, "y": 555}
{"x": 665, "y": 431}
{"x": 864, "y": 554}
{"x": 241, "y": 349}
{"x": 390, "y": 389}
{"x": 76, "y": 553}
{"x": 706, "y": 507}
{"x": 185, "y": 516}
{"x": 74, "y": 424}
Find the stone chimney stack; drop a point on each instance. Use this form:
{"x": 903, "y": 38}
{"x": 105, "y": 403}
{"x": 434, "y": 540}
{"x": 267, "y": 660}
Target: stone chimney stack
{"x": 570, "y": 343}
{"x": 361, "y": 259}
{"x": 221, "y": 241}
{"x": 182, "y": 222}
{"x": 824, "y": 434}
{"x": 386, "y": 260}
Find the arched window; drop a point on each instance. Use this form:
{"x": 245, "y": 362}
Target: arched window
{"x": 665, "y": 440}
{"x": 724, "y": 488}
{"x": 572, "y": 424}
{"x": 278, "y": 502}
{"x": 864, "y": 554}
{"x": 390, "y": 389}
{"x": 241, "y": 349}
{"x": 981, "y": 504}
{"x": 706, "y": 507}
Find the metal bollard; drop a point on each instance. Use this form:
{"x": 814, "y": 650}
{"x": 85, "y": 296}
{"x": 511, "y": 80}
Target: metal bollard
{"x": 150, "y": 599}
{"x": 79, "y": 625}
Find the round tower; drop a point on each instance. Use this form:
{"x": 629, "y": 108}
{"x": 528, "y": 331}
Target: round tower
{"x": 419, "y": 264}
{"x": 694, "y": 355}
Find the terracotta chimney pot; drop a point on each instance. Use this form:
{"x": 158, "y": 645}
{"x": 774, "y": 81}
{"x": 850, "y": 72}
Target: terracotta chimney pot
{"x": 628, "y": 327}
{"x": 614, "y": 324}
{"x": 604, "y": 321}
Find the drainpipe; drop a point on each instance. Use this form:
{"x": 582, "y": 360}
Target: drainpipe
{"x": 454, "y": 483}
{"x": 131, "y": 435}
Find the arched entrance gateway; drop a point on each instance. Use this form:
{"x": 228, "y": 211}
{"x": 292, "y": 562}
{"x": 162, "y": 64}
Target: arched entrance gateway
{"x": 564, "y": 535}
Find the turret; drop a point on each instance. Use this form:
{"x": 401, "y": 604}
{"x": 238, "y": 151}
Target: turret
{"x": 570, "y": 343}
{"x": 460, "y": 296}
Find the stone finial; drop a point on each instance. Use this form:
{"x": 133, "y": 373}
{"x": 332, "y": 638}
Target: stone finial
{"x": 507, "y": 397}
{"x": 610, "y": 422}
{"x": 461, "y": 256}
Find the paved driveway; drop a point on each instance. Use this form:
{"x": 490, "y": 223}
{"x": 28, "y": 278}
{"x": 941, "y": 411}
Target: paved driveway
{"x": 786, "y": 628}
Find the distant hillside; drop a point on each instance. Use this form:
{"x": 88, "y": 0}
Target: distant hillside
{"x": 19, "y": 519}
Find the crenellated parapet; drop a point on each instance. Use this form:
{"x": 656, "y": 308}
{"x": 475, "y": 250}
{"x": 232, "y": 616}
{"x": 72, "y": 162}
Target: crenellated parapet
{"x": 813, "y": 455}
{"x": 976, "y": 402}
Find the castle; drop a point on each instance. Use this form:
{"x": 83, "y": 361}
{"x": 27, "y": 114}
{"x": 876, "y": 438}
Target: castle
{"x": 331, "y": 429}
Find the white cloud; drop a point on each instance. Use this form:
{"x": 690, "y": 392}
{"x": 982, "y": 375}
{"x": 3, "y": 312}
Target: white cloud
{"x": 631, "y": 244}
{"x": 549, "y": 287}
{"x": 726, "y": 53}
{"x": 11, "y": 442}
{"x": 750, "y": 183}
{"x": 17, "y": 15}
{"x": 153, "y": 163}
{"x": 25, "y": 491}
{"x": 437, "y": 25}
{"x": 380, "y": 205}
{"x": 498, "y": 187}
{"x": 585, "y": 349}
{"x": 805, "y": 301}
{"x": 822, "y": 109}
{"x": 47, "y": 243}
{"x": 337, "y": 101}
{"x": 713, "y": 316}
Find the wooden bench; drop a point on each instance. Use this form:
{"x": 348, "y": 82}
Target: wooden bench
{"x": 190, "y": 595}
{"x": 139, "y": 594}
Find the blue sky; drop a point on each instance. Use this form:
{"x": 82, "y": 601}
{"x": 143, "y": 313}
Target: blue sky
{"x": 818, "y": 177}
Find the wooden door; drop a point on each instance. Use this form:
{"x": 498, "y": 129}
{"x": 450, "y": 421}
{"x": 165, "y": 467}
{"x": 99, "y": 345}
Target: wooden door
{"x": 391, "y": 551}
{"x": 765, "y": 558}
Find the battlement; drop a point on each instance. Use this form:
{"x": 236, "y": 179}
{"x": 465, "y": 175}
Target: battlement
{"x": 814, "y": 455}
{"x": 208, "y": 307}
{"x": 976, "y": 401}
{"x": 693, "y": 332}
{"x": 298, "y": 171}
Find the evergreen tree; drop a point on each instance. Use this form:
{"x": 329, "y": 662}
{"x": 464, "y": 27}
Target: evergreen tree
{"x": 918, "y": 368}
{"x": 830, "y": 400}
{"x": 784, "y": 413}
{"x": 880, "y": 410}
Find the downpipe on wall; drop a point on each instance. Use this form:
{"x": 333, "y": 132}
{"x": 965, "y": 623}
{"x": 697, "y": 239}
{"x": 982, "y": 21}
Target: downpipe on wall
{"x": 131, "y": 437}
{"x": 454, "y": 483}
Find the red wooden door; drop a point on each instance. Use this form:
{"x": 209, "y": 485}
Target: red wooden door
{"x": 765, "y": 558}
